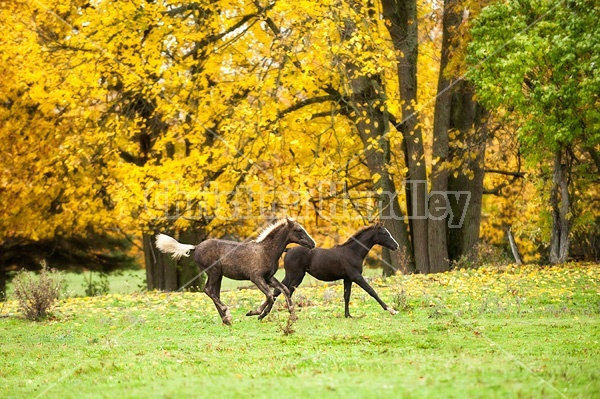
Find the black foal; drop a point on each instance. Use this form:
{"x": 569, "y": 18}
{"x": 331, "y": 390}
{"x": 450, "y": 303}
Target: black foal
{"x": 343, "y": 262}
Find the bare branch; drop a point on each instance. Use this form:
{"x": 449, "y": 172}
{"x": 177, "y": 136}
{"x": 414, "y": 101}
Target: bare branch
{"x": 594, "y": 154}
{"x": 517, "y": 174}
{"x": 498, "y": 189}
{"x": 304, "y": 103}
{"x": 394, "y": 121}
{"x": 213, "y": 38}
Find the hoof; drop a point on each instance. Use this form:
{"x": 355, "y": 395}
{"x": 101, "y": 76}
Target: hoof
{"x": 392, "y": 311}
{"x": 253, "y": 313}
{"x": 227, "y": 318}
{"x": 263, "y": 315}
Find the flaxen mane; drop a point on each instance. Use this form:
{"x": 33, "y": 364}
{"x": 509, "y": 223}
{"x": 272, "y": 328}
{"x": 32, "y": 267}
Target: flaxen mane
{"x": 269, "y": 229}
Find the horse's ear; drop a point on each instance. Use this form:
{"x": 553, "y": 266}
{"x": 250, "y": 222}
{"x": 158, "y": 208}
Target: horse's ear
{"x": 290, "y": 221}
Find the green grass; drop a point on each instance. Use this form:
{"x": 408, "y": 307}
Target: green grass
{"x": 124, "y": 282}
{"x": 526, "y": 332}
{"x": 130, "y": 281}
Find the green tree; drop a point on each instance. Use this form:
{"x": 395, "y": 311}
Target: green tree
{"x": 536, "y": 63}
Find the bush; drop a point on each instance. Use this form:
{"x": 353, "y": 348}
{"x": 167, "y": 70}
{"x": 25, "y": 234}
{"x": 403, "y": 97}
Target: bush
{"x": 401, "y": 302}
{"x": 482, "y": 253}
{"x": 37, "y": 294}
{"x": 96, "y": 288}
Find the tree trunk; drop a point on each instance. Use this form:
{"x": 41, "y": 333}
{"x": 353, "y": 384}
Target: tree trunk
{"x": 438, "y": 200}
{"x": 401, "y": 22}
{"x": 189, "y": 277}
{"x": 513, "y": 246}
{"x": 164, "y": 273}
{"x": 2, "y": 280}
{"x": 161, "y": 269}
{"x": 561, "y": 209}
{"x": 465, "y": 187}
{"x": 393, "y": 221}
{"x": 372, "y": 124}
{"x": 372, "y": 128}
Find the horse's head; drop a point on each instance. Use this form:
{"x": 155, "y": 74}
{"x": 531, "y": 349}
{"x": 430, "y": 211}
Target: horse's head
{"x": 298, "y": 235}
{"x": 382, "y": 236}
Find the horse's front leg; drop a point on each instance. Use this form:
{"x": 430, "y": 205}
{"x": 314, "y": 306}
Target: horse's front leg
{"x": 291, "y": 281}
{"x": 347, "y": 292}
{"x": 262, "y": 307}
{"x": 279, "y": 287}
{"x": 259, "y": 310}
{"x": 358, "y": 279}
{"x": 264, "y": 287}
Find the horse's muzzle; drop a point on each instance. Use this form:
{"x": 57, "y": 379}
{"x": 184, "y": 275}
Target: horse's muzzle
{"x": 393, "y": 247}
{"x": 310, "y": 244}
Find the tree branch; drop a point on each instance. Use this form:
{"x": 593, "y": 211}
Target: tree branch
{"x": 513, "y": 246}
{"x": 594, "y": 154}
{"x": 213, "y": 38}
{"x": 275, "y": 29}
{"x": 497, "y": 190}
{"x": 394, "y": 121}
{"x": 518, "y": 175}
{"x": 173, "y": 12}
{"x": 324, "y": 114}
{"x": 304, "y": 103}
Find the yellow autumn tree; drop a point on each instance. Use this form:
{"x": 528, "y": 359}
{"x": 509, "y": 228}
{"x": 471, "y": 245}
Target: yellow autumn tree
{"x": 209, "y": 117}
{"x": 214, "y": 118}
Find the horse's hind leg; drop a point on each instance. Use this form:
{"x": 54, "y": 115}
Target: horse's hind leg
{"x": 212, "y": 288}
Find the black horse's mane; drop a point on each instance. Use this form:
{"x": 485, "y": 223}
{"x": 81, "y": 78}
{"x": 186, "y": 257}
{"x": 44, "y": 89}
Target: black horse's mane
{"x": 359, "y": 234}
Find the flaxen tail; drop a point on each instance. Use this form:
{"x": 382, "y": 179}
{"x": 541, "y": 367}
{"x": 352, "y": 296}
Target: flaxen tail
{"x": 170, "y": 245}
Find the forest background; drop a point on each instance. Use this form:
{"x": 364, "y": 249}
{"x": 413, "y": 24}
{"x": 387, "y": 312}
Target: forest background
{"x": 454, "y": 123}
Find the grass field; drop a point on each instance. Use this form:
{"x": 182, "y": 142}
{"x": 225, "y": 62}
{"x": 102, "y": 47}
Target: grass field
{"x": 488, "y": 333}
{"x": 131, "y": 281}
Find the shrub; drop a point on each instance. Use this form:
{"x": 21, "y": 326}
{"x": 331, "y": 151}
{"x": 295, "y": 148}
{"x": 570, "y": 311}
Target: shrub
{"x": 37, "y": 294}
{"x": 401, "y": 302}
{"x": 301, "y": 300}
{"x": 98, "y": 287}
{"x": 482, "y": 253}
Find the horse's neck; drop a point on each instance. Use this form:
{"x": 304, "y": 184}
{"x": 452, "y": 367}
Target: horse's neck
{"x": 362, "y": 244}
{"x": 276, "y": 243}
